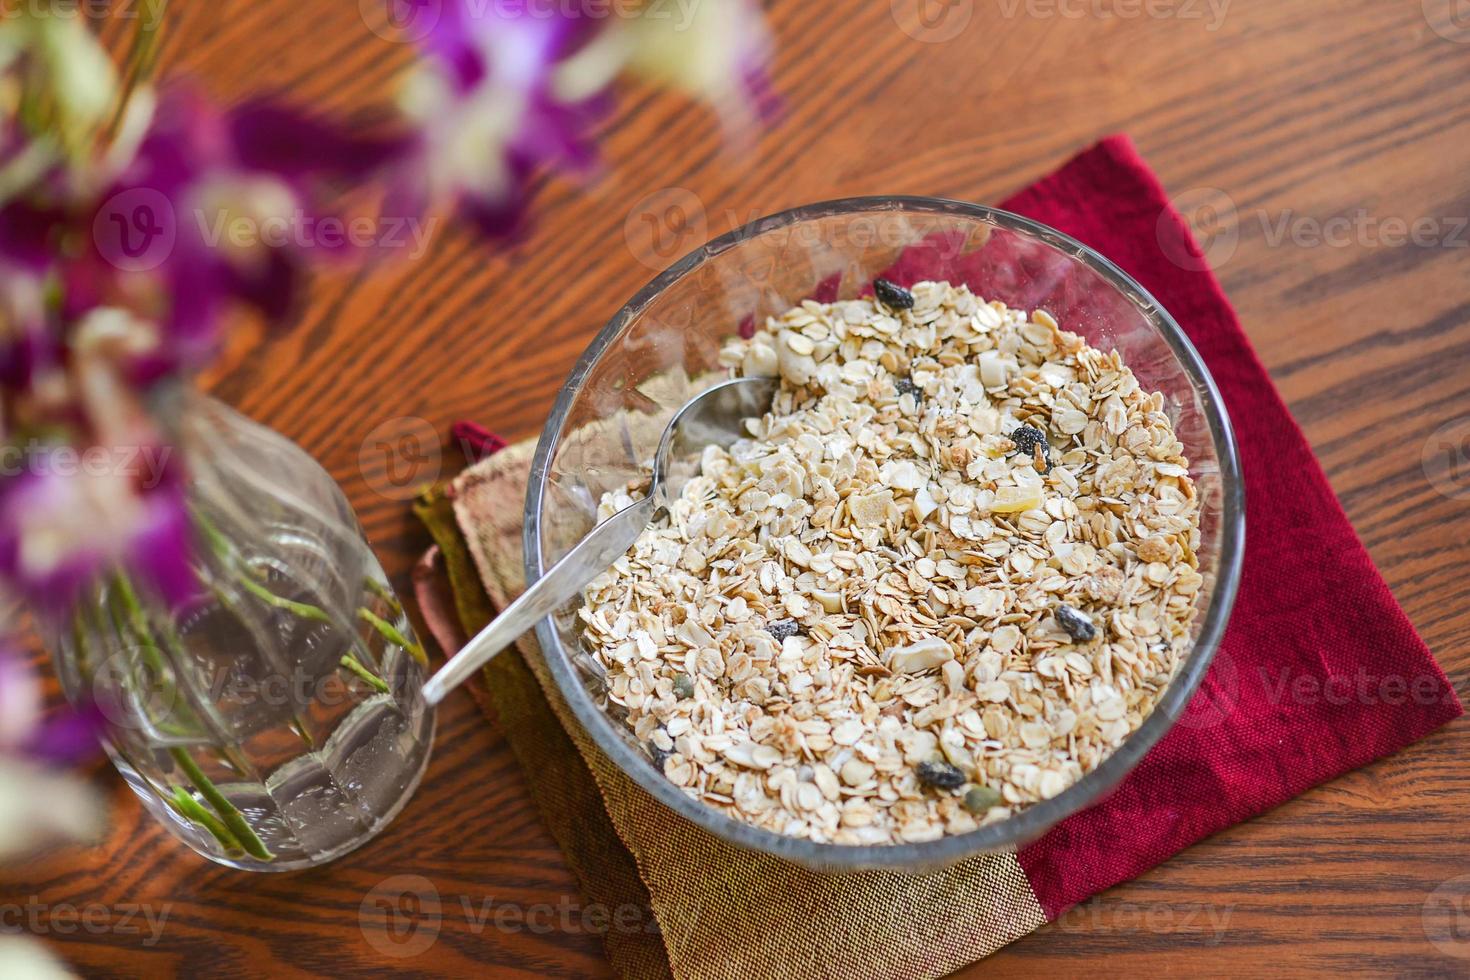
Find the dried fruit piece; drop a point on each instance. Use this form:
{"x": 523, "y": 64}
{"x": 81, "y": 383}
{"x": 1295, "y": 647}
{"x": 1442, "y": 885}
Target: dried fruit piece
{"x": 905, "y": 386}
{"x": 892, "y": 295}
{"x": 658, "y": 755}
{"x": 1011, "y": 500}
{"x": 683, "y": 686}
{"x": 940, "y": 774}
{"x": 981, "y": 798}
{"x": 1032, "y": 441}
{"x": 783, "y": 628}
{"x": 1077, "y": 624}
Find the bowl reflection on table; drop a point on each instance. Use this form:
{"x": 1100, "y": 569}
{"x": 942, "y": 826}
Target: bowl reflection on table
{"x": 663, "y": 347}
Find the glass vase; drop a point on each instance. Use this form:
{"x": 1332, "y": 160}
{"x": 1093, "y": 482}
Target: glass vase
{"x": 275, "y": 721}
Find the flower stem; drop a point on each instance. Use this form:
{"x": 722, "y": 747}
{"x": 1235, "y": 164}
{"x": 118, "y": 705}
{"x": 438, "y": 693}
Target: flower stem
{"x": 303, "y": 609}
{"x": 227, "y": 811}
{"x": 372, "y": 680}
{"x": 307, "y": 611}
{"x": 187, "y": 807}
{"x": 392, "y": 634}
{"x": 386, "y": 594}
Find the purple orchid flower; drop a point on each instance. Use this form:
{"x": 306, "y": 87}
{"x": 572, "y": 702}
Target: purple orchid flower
{"x": 63, "y": 524}
{"x": 489, "y": 110}
{"x": 219, "y": 207}
{"x": 717, "y": 52}
{"x": 62, "y": 738}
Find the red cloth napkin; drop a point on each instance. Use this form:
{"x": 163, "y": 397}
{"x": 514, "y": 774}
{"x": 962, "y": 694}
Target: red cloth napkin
{"x": 1320, "y": 671}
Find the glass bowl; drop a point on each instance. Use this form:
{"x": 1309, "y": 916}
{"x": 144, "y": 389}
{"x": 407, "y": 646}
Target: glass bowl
{"x": 662, "y": 348}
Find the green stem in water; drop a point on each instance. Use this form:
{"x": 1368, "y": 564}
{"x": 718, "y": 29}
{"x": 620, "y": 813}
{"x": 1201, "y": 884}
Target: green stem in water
{"x": 317, "y": 613}
{"x": 372, "y": 680}
{"x": 386, "y": 594}
{"x": 393, "y": 635}
{"x": 303, "y": 609}
{"x": 233, "y": 820}
{"x": 228, "y": 813}
{"x": 187, "y": 807}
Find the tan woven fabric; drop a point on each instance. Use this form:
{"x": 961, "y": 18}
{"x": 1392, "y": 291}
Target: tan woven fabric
{"x": 725, "y": 912}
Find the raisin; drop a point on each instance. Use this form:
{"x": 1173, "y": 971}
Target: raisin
{"x": 1077, "y": 624}
{"x": 683, "y": 686}
{"x": 905, "y": 386}
{"x": 892, "y": 295}
{"x": 1028, "y": 438}
{"x": 980, "y": 799}
{"x": 940, "y": 774}
{"x": 782, "y": 628}
{"x": 658, "y": 755}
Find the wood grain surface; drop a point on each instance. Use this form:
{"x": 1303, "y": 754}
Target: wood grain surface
{"x": 1291, "y": 113}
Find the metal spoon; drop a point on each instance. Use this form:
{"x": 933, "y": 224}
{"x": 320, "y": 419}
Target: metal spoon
{"x": 712, "y": 418}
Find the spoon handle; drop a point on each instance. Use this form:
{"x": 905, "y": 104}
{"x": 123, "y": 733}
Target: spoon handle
{"x": 592, "y": 556}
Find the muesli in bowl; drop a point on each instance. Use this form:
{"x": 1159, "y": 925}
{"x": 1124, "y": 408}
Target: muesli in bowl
{"x": 950, "y": 571}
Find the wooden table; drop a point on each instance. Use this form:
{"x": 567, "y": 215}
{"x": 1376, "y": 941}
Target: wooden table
{"x": 1300, "y": 112}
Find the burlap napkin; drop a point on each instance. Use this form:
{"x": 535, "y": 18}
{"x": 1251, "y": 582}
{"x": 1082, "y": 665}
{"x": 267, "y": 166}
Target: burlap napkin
{"x": 1313, "y": 615}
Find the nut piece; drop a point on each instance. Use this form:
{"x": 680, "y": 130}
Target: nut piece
{"x": 926, "y": 654}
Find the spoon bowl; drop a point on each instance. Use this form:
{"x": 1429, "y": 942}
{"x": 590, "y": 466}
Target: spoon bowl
{"x": 715, "y": 417}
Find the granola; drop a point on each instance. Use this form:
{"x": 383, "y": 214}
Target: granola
{"x": 949, "y": 572}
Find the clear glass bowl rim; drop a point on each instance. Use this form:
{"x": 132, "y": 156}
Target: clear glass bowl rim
{"x": 1036, "y": 819}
